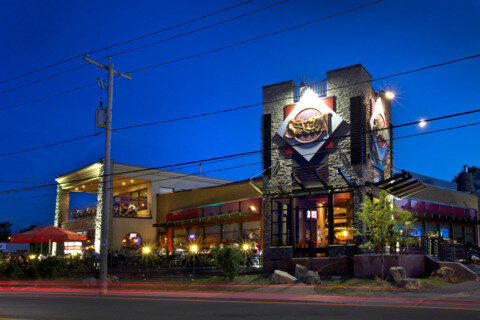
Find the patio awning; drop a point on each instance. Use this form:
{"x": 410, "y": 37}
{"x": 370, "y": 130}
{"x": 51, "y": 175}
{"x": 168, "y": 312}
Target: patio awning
{"x": 47, "y": 234}
{"x": 401, "y": 184}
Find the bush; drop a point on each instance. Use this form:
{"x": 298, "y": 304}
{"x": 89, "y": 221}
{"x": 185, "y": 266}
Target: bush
{"x": 229, "y": 260}
{"x": 49, "y": 268}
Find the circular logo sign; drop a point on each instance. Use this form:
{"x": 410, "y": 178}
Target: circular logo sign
{"x": 307, "y": 126}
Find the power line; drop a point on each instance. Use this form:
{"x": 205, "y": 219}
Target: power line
{"x": 126, "y": 41}
{"x": 213, "y": 50}
{"x": 258, "y": 37}
{"x": 145, "y": 46}
{"x": 163, "y": 179}
{"x": 50, "y": 96}
{"x": 224, "y": 169}
{"x": 241, "y": 154}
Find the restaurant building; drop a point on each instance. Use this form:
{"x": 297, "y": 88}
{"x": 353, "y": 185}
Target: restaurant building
{"x": 327, "y": 146}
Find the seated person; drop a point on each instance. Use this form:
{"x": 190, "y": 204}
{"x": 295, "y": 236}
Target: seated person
{"x": 132, "y": 209}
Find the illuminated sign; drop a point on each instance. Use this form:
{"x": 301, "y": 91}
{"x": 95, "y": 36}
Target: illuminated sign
{"x": 309, "y": 124}
{"x": 380, "y": 134}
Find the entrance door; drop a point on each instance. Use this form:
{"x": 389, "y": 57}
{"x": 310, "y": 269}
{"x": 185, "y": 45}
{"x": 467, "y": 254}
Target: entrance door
{"x": 311, "y": 226}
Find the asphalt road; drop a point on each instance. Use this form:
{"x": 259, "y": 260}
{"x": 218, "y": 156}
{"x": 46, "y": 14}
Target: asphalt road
{"x": 55, "y": 306}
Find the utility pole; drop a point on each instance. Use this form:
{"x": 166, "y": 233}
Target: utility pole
{"x": 107, "y": 206}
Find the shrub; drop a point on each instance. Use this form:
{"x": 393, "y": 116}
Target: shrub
{"x": 229, "y": 260}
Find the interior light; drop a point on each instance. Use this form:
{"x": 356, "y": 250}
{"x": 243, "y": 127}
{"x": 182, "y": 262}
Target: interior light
{"x": 32, "y": 256}
{"x": 76, "y": 189}
{"x": 253, "y": 208}
{"x": 131, "y": 181}
{"x": 83, "y": 186}
{"x": 123, "y": 183}
{"x": 345, "y": 233}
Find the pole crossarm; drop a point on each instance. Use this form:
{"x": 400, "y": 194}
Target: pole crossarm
{"x": 121, "y": 74}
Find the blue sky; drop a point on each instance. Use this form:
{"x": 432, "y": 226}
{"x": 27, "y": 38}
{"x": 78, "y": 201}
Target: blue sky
{"x": 389, "y": 37}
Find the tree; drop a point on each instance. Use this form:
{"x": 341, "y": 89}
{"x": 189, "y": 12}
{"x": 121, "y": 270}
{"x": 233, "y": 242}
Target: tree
{"x": 5, "y": 230}
{"x": 383, "y": 223}
{"x": 31, "y": 227}
{"x": 475, "y": 171}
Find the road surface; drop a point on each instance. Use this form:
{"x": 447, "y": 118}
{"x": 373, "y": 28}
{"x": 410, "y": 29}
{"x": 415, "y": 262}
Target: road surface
{"x": 45, "y": 306}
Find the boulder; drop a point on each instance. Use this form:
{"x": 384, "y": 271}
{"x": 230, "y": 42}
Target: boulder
{"x": 90, "y": 280}
{"x": 411, "y": 284}
{"x": 282, "y": 277}
{"x": 312, "y": 277}
{"x": 301, "y": 272}
{"x": 396, "y": 275}
{"x": 445, "y": 274}
{"x": 112, "y": 278}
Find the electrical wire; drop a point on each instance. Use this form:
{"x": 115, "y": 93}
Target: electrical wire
{"x": 251, "y": 164}
{"x": 126, "y": 41}
{"x": 144, "y": 46}
{"x": 229, "y": 156}
{"x": 258, "y": 37}
{"x": 208, "y": 51}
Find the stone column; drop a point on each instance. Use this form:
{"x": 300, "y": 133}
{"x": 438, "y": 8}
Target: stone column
{"x": 275, "y": 98}
{"x": 62, "y": 203}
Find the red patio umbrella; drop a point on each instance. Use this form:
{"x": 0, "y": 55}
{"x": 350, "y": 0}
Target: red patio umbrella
{"x": 47, "y": 234}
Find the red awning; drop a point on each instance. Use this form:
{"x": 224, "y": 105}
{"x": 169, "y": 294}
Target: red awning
{"x": 47, "y": 234}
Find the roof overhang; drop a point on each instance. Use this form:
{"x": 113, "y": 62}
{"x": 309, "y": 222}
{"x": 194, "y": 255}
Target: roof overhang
{"x": 400, "y": 185}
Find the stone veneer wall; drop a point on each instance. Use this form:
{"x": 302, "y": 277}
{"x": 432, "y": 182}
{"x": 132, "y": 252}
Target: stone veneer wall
{"x": 342, "y": 84}
{"x": 275, "y": 98}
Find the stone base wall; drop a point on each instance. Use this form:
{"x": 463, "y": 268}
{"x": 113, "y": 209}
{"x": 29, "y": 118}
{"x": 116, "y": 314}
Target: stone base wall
{"x": 326, "y": 267}
{"x": 370, "y": 266}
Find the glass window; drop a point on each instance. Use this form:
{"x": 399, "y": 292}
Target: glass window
{"x": 230, "y": 233}
{"x": 343, "y": 218}
{"x": 251, "y": 231}
{"x": 180, "y": 239}
{"x": 128, "y": 204}
{"x": 469, "y": 235}
{"x": 458, "y": 233}
{"x": 281, "y": 222}
{"x": 131, "y": 241}
{"x": 212, "y": 236}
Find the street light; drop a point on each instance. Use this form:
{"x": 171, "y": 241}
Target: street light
{"x": 389, "y": 92}
{"x": 422, "y": 123}
{"x": 146, "y": 250}
{"x": 193, "y": 249}
{"x": 246, "y": 247}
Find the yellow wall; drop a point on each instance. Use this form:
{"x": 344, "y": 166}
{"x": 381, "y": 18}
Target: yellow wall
{"x": 168, "y": 202}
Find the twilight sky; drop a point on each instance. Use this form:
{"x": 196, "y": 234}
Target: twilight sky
{"x": 389, "y": 37}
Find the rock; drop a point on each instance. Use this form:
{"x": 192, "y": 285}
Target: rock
{"x": 282, "y": 277}
{"x": 312, "y": 277}
{"x": 112, "y": 278}
{"x": 445, "y": 274}
{"x": 301, "y": 272}
{"x": 335, "y": 278}
{"x": 411, "y": 284}
{"x": 396, "y": 275}
{"x": 90, "y": 280}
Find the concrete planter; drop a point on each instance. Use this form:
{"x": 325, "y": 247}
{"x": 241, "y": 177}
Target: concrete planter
{"x": 367, "y": 266}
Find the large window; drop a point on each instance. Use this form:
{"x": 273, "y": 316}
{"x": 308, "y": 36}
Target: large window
{"x": 251, "y": 232}
{"x": 281, "y": 222}
{"x": 130, "y": 203}
{"x": 230, "y": 233}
